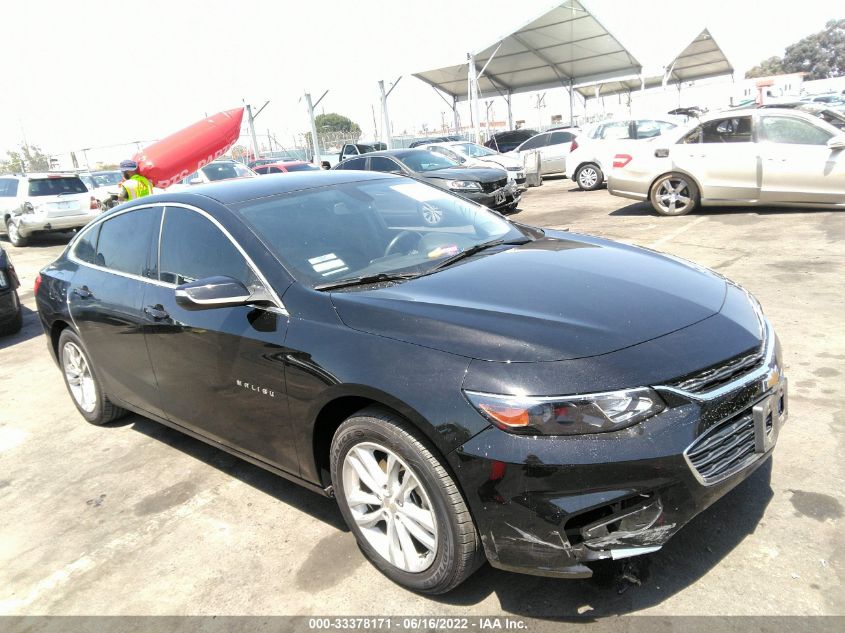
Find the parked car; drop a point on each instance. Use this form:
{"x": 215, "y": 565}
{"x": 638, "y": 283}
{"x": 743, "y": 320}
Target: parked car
{"x": 488, "y": 186}
{"x": 591, "y": 153}
{"x": 284, "y": 167}
{"x": 11, "y": 315}
{"x": 33, "y": 203}
{"x": 831, "y": 98}
{"x": 553, "y": 148}
{"x": 105, "y": 185}
{"x": 222, "y": 169}
{"x": 767, "y": 156}
{"x": 463, "y": 390}
{"x": 474, "y": 155}
{"x": 330, "y": 159}
{"x": 268, "y": 161}
{"x": 506, "y": 141}
{"x": 434, "y": 139}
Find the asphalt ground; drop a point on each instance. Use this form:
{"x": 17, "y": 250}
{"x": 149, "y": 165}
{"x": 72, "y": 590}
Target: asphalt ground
{"x": 138, "y": 519}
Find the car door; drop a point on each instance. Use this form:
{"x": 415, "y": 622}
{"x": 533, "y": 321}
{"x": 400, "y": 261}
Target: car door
{"x": 797, "y": 164}
{"x": 723, "y": 157}
{"x": 105, "y": 300}
{"x": 554, "y": 154}
{"x": 220, "y": 371}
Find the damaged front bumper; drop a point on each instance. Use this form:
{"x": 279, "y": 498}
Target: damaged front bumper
{"x": 547, "y": 505}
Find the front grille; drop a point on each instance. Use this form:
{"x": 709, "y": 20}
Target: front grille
{"x": 722, "y": 374}
{"x": 490, "y": 187}
{"x": 725, "y": 449}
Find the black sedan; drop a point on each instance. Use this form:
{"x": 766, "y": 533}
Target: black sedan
{"x": 488, "y": 186}
{"x": 11, "y": 317}
{"x": 476, "y": 389}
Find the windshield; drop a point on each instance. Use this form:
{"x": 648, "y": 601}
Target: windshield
{"x": 224, "y": 171}
{"x": 56, "y": 186}
{"x": 471, "y": 149}
{"x": 394, "y": 225}
{"x": 107, "y": 178}
{"x": 423, "y": 160}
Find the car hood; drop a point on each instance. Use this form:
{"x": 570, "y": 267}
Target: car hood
{"x": 480, "y": 174}
{"x": 557, "y": 298}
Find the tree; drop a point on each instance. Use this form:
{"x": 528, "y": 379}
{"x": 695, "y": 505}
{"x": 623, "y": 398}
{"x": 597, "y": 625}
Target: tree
{"x": 333, "y": 122}
{"x": 771, "y": 66}
{"x": 29, "y": 158}
{"x": 820, "y": 55}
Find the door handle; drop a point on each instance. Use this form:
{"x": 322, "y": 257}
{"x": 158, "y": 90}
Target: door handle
{"x": 83, "y": 292}
{"x": 156, "y": 312}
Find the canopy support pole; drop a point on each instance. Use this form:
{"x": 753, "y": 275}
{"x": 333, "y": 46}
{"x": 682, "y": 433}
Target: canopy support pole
{"x": 388, "y": 139}
{"x": 455, "y": 114}
{"x": 510, "y": 110}
{"x": 315, "y": 143}
{"x": 571, "y": 104}
{"x": 473, "y": 99}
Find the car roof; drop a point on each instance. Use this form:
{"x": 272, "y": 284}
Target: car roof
{"x": 242, "y": 189}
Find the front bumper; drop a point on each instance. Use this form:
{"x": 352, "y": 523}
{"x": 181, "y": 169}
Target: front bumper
{"x": 502, "y": 198}
{"x": 545, "y": 505}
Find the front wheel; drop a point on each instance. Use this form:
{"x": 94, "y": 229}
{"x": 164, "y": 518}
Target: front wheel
{"x": 14, "y": 234}
{"x": 403, "y": 507}
{"x": 82, "y": 383}
{"x": 589, "y": 177}
{"x": 674, "y": 194}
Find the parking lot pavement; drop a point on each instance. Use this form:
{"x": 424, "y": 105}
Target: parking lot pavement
{"x": 138, "y": 519}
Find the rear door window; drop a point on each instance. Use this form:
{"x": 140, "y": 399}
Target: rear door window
{"x": 613, "y": 130}
{"x": 355, "y": 163}
{"x": 56, "y": 186}
{"x": 541, "y": 140}
{"x": 559, "y": 138}
{"x": 8, "y": 187}
{"x": 124, "y": 241}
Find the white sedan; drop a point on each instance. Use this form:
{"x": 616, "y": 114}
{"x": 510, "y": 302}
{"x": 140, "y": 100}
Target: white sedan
{"x": 771, "y": 157}
{"x": 473, "y": 155}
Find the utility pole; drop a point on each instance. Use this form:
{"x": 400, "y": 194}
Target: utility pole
{"x": 315, "y": 143}
{"x": 489, "y": 105}
{"x": 376, "y": 135}
{"x": 251, "y": 119}
{"x": 473, "y": 99}
{"x": 384, "y": 95}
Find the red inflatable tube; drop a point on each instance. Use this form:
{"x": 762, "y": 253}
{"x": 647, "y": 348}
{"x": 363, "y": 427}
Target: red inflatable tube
{"x": 173, "y": 158}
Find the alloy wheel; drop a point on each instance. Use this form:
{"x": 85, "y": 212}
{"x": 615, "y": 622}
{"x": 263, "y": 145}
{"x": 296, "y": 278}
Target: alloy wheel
{"x": 13, "y": 232}
{"x": 79, "y": 377}
{"x": 390, "y": 506}
{"x": 587, "y": 177}
{"x": 674, "y": 196}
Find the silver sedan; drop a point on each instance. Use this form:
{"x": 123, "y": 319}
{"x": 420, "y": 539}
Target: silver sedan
{"x": 775, "y": 157}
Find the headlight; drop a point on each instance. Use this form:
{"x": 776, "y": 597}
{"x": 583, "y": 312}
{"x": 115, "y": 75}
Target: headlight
{"x": 568, "y": 415}
{"x": 464, "y": 185}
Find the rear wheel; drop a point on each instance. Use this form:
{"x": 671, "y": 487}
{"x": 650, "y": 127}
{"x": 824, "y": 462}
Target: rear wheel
{"x": 403, "y": 507}
{"x": 674, "y": 194}
{"x": 82, "y": 382}
{"x": 589, "y": 177}
{"x": 14, "y": 326}
{"x": 14, "y": 234}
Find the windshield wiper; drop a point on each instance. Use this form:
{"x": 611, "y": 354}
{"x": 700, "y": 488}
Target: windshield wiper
{"x": 366, "y": 279}
{"x": 472, "y": 250}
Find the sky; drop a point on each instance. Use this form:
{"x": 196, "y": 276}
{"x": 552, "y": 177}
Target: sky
{"x": 89, "y": 74}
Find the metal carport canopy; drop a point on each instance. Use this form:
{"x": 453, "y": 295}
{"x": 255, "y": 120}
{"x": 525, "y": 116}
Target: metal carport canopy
{"x": 701, "y": 59}
{"x": 564, "y": 46}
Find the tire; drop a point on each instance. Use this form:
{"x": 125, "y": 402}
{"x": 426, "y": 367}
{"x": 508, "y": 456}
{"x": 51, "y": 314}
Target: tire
{"x": 12, "y": 231}
{"x": 671, "y": 189}
{"x": 440, "y": 547}
{"x": 589, "y": 177}
{"x": 89, "y": 399}
{"x": 14, "y": 326}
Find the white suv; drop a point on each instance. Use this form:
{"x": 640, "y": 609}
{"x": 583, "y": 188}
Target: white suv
{"x": 44, "y": 202}
{"x": 591, "y": 153}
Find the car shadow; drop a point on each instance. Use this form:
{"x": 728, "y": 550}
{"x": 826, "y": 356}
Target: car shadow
{"x": 630, "y": 585}
{"x": 616, "y": 588}
{"x": 288, "y": 492}
{"x": 45, "y": 240}
{"x": 644, "y": 209}
{"x": 31, "y": 329}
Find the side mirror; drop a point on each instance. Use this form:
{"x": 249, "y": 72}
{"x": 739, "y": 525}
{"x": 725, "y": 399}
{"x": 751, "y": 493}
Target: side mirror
{"x": 837, "y": 142}
{"x": 212, "y": 292}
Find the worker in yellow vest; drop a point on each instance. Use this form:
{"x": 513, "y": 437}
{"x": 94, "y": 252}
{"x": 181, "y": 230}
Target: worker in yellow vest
{"x": 134, "y": 185}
